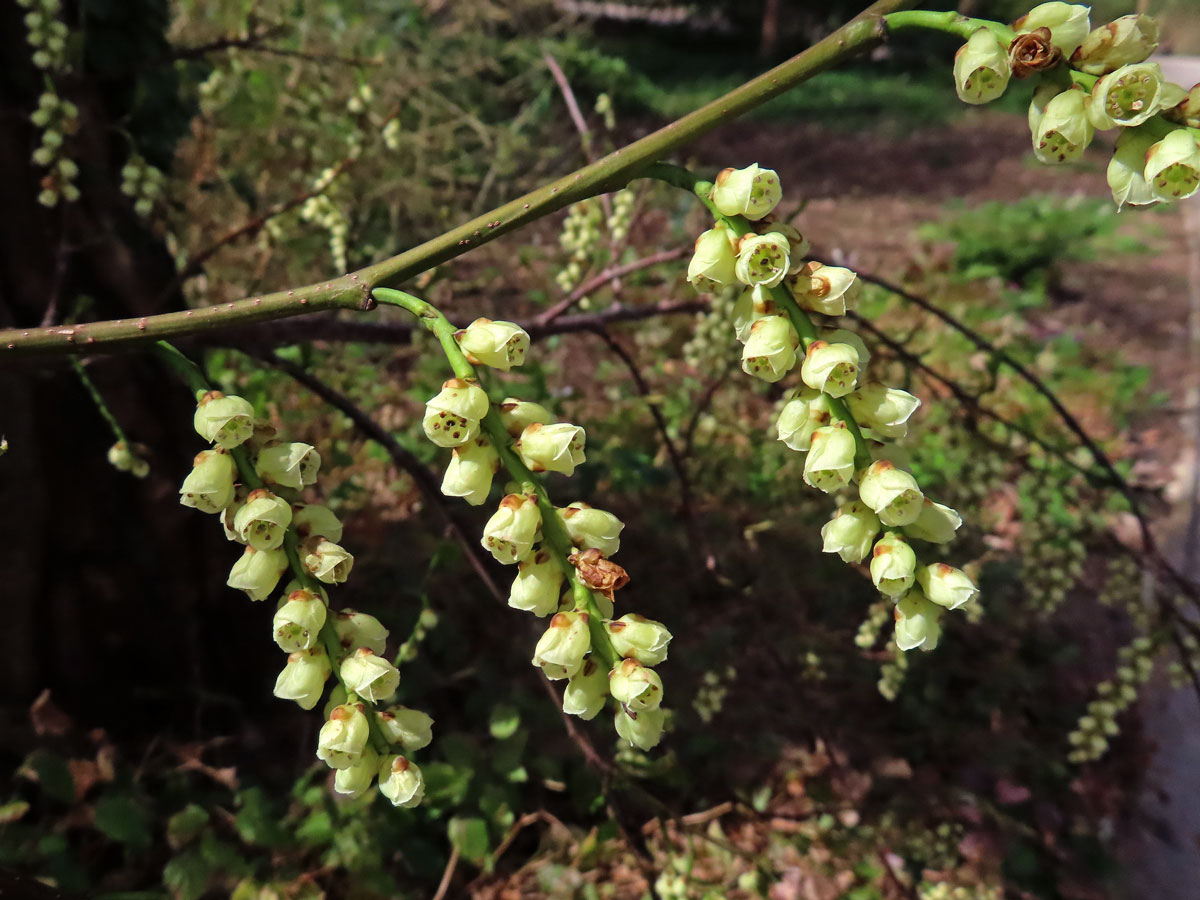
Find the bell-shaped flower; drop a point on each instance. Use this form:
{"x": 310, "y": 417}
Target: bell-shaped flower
{"x": 209, "y": 486}
{"x": 469, "y": 474}
{"x": 917, "y": 622}
{"x": 751, "y": 192}
{"x": 893, "y": 565}
{"x": 1062, "y": 131}
{"x": 946, "y": 586}
{"x": 592, "y": 529}
{"x": 714, "y": 258}
{"x": 500, "y": 345}
{"x": 452, "y": 417}
{"x": 226, "y": 421}
{"x": 892, "y": 493}
{"x": 355, "y": 629}
{"x": 586, "y": 691}
{"x": 981, "y": 68}
{"x": 830, "y": 461}
{"x": 935, "y": 523}
{"x": 326, "y": 561}
{"x": 1186, "y": 111}
{"x": 310, "y": 520}
{"x": 552, "y": 448}
{"x": 297, "y": 624}
{"x": 752, "y": 304}
{"x": 408, "y": 728}
{"x": 634, "y": 685}
{"x": 1131, "y": 95}
{"x": 517, "y": 415}
{"x": 1173, "y": 166}
{"x": 538, "y": 584}
{"x": 1122, "y": 42}
{"x": 831, "y": 368}
{"x": 1069, "y": 24}
{"x": 829, "y": 290}
{"x": 401, "y": 782}
{"x": 884, "y": 410}
{"x": 561, "y": 648}
{"x": 303, "y": 678}
{"x": 844, "y": 336}
{"x": 371, "y": 677}
{"x": 636, "y": 637}
{"x": 262, "y": 520}
{"x": 343, "y": 738}
{"x": 355, "y": 780}
{"x": 510, "y": 533}
{"x": 1126, "y": 169}
{"x": 642, "y": 728}
{"x": 805, "y": 412}
{"x": 851, "y": 532}
{"x": 257, "y": 572}
{"x": 763, "y": 259}
{"x": 292, "y": 465}
{"x": 770, "y": 349}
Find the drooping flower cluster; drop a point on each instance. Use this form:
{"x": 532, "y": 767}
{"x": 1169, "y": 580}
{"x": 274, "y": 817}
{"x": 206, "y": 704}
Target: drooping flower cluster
{"x": 1157, "y": 157}
{"x": 574, "y": 549}
{"x": 835, "y": 410}
{"x": 267, "y": 517}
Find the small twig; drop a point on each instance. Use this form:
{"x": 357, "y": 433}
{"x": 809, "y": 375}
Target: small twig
{"x": 447, "y": 875}
{"x": 598, "y": 281}
{"x": 564, "y": 87}
{"x": 700, "y": 408}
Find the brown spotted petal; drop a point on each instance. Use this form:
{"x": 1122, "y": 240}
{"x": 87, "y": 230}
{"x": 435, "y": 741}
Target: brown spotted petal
{"x": 1032, "y": 52}
{"x": 598, "y": 573}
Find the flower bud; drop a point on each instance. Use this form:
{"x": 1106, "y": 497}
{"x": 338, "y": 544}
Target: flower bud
{"x": 892, "y": 493}
{"x": 763, "y": 259}
{"x": 592, "y": 529}
{"x": 751, "y": 192}
{"x": 288, "y": 465}
{"x": 636, "y": 637}
{"x": 226, "y": 421}
{"x": 917, "y": 622}
{"x": 257, "y": 572}
{"x": 1126, "y": 169}
{"x": 586, "y": 691}
{"x": 229, "y": 513}
{"x": 884, "y": 410}
{"x": 829, "y": 290}
{"x": 313, "y": 520}
{"x": 355, "y": 630}
{"x": 830, "y": 461}
{"x": 843, "y": 336}
{"x": 642, "y": 728}
{"x": 714, "y": 258}
{"x": 1129, "y": 96}
{"x": 798, "y": 243}
{"x": 946, "y": 586}
{"x": 752, "y": 304}
{"x": 298, "y": 623}
{"x": 500, "y": 345}
{"x": 770, "y": 350}
{"x": 401, "y": 782}
{"x": 343, "y": 738}
{"x": 893, "y": 565}
{"x": 935, "y": 523}
{"x": 1063, "y": 131}
{"x": 1173, "y": 166}
{"x": 326, "y": 561}
{"x": 851, "y": 532}
{"x": 209, "y": 486}
{"x": 1069, "y": 24}
{"x": 804, "y": 413}
{"x": 1127, "y": 40}
{"x": 1187, "y": 111}
{"x": 538, "y": 584}
{"x": 121, "y": 458}
{"x": 371, "y": 677}
{"x": 470, "y": 472}
{"x": 552, "y": 448}
{"x": 832, "y": 368}
{"x": 636, "y": 686}
{"x": 405, "y": 727}
{"x": 356, "y": 779}
{"x": 262, "y": 520}
{"x": 303, "y": 678}
{"x": 1032, "y": 52}
{"x": 510, "y": 532}
{"x": 981, "y": 68}
{"x": 563, "y": 645}
{"x": 517, "y": 415}
{"x": 452, "y": 417}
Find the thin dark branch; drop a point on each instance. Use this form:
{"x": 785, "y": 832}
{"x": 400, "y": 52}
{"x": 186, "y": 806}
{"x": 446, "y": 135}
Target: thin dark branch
{"x": 609, "y": 274}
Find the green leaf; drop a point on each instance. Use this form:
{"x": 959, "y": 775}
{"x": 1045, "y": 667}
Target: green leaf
{"x": 445, "y": 785}
{"x": 185, "y": 825}
{"x": 122, "y": 819}
{"x": 505, "y": 721}
{"x": 256, "y": 822}
{"x": 11, "y": 812}
{"x": 186, "y": 875}
{"x": 51, "y": 773}
{"x": 470, "y": 836}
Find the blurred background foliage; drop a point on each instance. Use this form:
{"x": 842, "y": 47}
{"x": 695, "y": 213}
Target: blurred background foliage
{"x": 806, "y": 757}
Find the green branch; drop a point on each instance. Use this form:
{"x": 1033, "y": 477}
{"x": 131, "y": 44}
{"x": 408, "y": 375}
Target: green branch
{"x": 353, "y": 291}
{"x": 554, "y": 533}
{"x": 946, "y": 22}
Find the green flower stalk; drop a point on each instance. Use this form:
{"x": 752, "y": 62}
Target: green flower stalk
{"x": 410, "y": 729}
{"x": 209, "y": 487}
{"x": 804, "y": 412}
{"x": 470, "y": 472}
{"x": 636, "y": 637}
{"x": 831, "y": 368}
{"x": 500, "y": 345}
{"x": 917, "y": 622}
{"x": 829, "y": 290}
{"x": 401, "y": 782}
{"x": 452, "y": 417}
{"x": 257, "y": 572}
{"x": 981, "y": 68}
{"x": 538, "y": 584}
{"x": 635, "y": 686}
{"x": 1173, "y": 166}
{"x": 292, "y": 465}
{"x": 343, "y": 738}
{"x": 262, "y": 521}
{"x": 227, "y": 422}
{"x": 934, "y": 523}
{"x": 750, "y": 192}
{"x": 298, "y": 622}
{"x": 1069, "y": 24}
{"x": 303, "y": 678}
{"x": 510, "y": 533}
{"x": 1122, "y": 42}
{"x": 1126, "y": 169}
{"x": 946, "y": 586}
{"x": 561, "y": 648}
{"x": 829, "y": 464}
{"x": 770, "y": 349}
{"x": 592, "y": 529}
{"x": 893, "y": 565}
{"x": 371, "y": 677}
{"x": 884, "y": 410}
{"x": 714, "y": 259}
{"x": 851, "y": 532}
{"x": 1061, "y": 129}
{"x": 552, "y": 448}
{"x": 642, "y": 729}
{"x": 586, "y": 692}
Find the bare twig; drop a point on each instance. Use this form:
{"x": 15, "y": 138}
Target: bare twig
{"x": 448, "y": 874}
{"x": 609, "y": 274}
